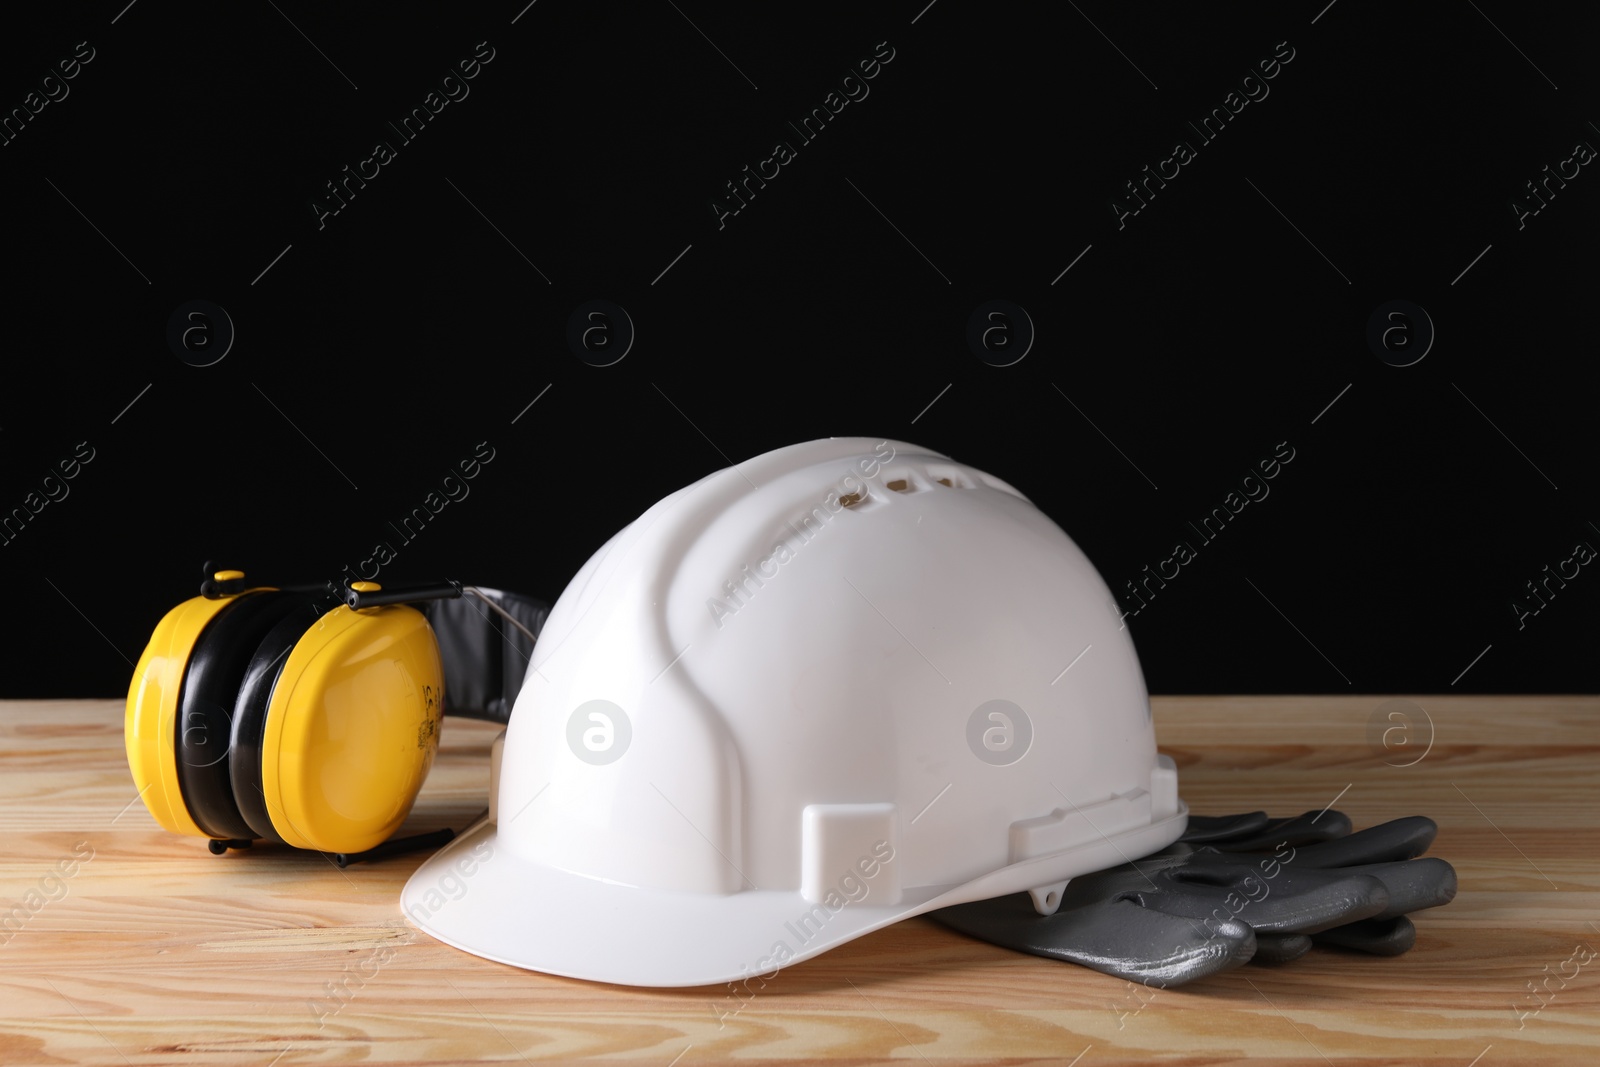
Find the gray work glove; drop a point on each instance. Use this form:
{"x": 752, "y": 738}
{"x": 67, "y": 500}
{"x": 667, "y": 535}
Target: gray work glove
{"x": 1234, "y": 888}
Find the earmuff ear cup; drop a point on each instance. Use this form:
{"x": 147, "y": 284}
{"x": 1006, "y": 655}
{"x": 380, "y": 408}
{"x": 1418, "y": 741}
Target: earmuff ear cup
{"x": 336, "y": 725}
{"x": 150, "y": 721}
{"x": 250, "y": 713}
{"x": 210, "y": 689}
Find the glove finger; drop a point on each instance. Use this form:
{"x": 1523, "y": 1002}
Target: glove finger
{"x": 1209, "y": 828}
{"x": 1307, "y": 829}
{"x": 1136, "y": 876}
{"x": 1412, "y": 884}
{"x": 1380, "y": 937}
{"x": 1092, "y": 890}
{"x": 1281, "y": 948}
{"x": 1397, "y": 839}
{"x": 1254, "y": 831}
{"x": 1117, "y": 937}
{"x": 1288, "y": 901}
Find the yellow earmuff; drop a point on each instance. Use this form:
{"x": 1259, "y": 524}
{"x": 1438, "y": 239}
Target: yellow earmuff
{"x": 285, "y": 715}
{"x": 352, "y": 727}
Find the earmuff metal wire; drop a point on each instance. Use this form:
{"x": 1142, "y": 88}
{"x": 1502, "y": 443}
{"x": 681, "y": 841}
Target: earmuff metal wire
{"x": 505, "y": 614}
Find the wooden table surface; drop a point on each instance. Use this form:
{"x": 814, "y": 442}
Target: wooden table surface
{"x": 150, "y": 950}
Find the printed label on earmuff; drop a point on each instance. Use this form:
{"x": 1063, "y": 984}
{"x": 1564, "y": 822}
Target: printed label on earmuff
{"x": 428, "y": 728}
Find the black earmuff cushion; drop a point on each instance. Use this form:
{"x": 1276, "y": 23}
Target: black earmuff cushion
{"x": 250, "y": 710}
{"x": 206, "y": 699}
{"x": 485, "y": 657}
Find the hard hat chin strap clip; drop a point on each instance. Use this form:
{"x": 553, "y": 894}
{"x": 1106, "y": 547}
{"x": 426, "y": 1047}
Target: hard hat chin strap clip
{"x": 1047, "y": 898}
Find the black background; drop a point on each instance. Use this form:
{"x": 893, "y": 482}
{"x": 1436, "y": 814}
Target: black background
{"x": 423, "y": 318}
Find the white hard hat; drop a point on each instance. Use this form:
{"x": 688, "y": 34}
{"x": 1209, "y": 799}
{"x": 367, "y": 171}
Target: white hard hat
{"x": 834, "y": 686}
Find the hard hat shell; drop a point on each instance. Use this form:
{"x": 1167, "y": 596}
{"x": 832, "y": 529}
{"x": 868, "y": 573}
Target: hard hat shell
{"x": 839, "y": 684}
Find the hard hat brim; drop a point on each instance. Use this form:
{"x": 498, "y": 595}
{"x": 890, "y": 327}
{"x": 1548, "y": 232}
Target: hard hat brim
{"x": 479, "y": 896}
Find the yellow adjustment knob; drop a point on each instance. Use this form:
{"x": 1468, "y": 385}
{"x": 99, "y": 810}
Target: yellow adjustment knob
{"x": 227, "y": 576}
{"x": 366, "y": 587}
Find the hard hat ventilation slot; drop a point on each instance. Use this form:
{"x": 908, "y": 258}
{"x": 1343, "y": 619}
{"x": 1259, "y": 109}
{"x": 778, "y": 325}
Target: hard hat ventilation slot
{"x": 900, "y": 485}
{"x": 851, "y": 500}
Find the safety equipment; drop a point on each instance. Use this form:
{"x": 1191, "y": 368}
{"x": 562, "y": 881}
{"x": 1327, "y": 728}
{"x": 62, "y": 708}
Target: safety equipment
{"x": 1233, "y": 889}
{"x": 311, "y": 715}
{"x": 836, "y": 685}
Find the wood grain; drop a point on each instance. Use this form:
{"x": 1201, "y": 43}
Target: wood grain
{"x": 155, "y": 952}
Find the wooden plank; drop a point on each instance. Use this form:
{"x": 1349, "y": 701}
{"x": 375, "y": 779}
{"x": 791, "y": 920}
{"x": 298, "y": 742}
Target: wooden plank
{"x": 154, "y": 951}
